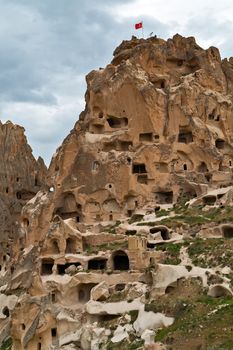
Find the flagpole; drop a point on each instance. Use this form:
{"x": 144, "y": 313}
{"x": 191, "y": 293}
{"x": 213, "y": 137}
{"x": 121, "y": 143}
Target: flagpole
{"x": 142, "y": 30}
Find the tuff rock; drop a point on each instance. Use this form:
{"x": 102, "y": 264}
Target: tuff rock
{"x": 108, "y": 244}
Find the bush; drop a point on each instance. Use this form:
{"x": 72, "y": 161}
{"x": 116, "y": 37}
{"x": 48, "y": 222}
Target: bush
{"x": 7, "y": 344}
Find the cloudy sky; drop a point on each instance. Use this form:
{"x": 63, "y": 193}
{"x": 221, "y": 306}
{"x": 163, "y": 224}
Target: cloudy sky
{"x": 48, "y": 46}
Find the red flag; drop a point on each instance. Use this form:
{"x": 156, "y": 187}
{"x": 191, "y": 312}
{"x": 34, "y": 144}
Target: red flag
{"x": 138, "y": 25}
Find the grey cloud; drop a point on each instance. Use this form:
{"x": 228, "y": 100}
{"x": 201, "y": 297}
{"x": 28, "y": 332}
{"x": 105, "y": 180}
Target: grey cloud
{"x": 207, "y": 27}
{"x": 44, "y": 38}
{"x": 47, "y": 47}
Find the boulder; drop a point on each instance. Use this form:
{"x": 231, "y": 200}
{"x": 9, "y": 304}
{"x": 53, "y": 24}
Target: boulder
{"x": 100, "y": 292}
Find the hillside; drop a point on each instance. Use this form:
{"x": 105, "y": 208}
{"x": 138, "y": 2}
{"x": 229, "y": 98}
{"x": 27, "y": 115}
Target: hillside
{"x": 128, "y": 243}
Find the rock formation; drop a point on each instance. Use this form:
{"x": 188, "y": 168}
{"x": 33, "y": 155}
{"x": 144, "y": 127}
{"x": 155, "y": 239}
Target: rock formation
{"x": 136, "y": 191}
{"x": 21, "y": 178}
{"x": 157, "y": 127}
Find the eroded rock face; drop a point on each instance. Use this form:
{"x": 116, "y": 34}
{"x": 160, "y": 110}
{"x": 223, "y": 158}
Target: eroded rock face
{"x": 156, "y": 131}
{"x": 157, "y": 127}
{"x": 21, "y": 177}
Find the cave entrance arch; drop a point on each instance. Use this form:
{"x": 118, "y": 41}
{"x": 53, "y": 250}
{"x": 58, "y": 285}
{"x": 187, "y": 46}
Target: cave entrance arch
{"x": 202, "y": 168}
{"x": 47, "y": 266}
{"x": 84, "y": 292}
{"x": 70, "y": 246}
{"x": 219, "y": 291}
{"x": 227, "y": 231}
{"x": 97, "y": 264}
{"x": 120, "y": 261}
{"x": 55, "y": 247}
{"x": 164, "y": 232}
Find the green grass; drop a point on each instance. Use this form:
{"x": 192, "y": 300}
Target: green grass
{"x": 136, "y": 218}
{"x": 211, "y": 252}
{"x": 134, "y": 315}
{"x": 126, "y": 345}
{"x": 137, "y": 344}
{"x": 193, "y": 216}
{"x": 181, "y": 323}
{"x": 154, "y": 307}
{"x": 208, "y": 300}
{"x": 112, "y": 229}
{"x": 198, "y": 318}
{"x": 171, "y": 248}
{"x": 204, "y": 317}
{"x": 7, "y": 344}
{"x": 172, "y": 252}
{"x": 162, "y": 212}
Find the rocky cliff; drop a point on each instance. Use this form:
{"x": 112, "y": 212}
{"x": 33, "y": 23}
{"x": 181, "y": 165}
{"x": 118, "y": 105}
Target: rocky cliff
{"x": 157, "y": 127}
{"x": 129, "y": 247}
{"x": 21, "y": 177}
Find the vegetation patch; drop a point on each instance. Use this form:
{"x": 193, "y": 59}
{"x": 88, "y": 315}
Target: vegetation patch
{"x": 211, "y": 252}
{"x": 7, "y": 344}
{"x": 199, "y": 323}
{"x": 134, "y": 315}
{"x": 112, "y": 229}
{"x": 136, "y": 218}
{"x": 193, "y": 216}
{"x": 172, "y": 252}
{"x": 126, "y": 345}
{"x": 162, "y": 212}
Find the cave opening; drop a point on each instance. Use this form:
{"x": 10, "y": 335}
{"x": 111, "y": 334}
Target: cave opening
{"x": 164, "y": 232}
{"x": 209, "y": 200}
{"x": 220, "y": 144}
{"x": 116, "y": 123}
{"x": 142, "y": 179}
{"x": 120, "y": 261}
{"x": 84, "y": 291}
{"x": 139, "y": 169}
{"x": 61, "y": 268}
{"x": 97, "y": 264}
{"x": 146, "y": 137}
{"x": 227, "y": 231}
{"x": 202, "y": 168}
{"x": 70, "y": 246}
{"x": 185, "y": 137}
{"x": 6, "y": 311}
{"x": 55, "y": 247}
{"x": 165, "y": 197}
{"x": 47, "y": 266}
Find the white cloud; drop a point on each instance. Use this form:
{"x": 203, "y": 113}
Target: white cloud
{"x": 177, "y": 14}
{"x": 174, "y": 10}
